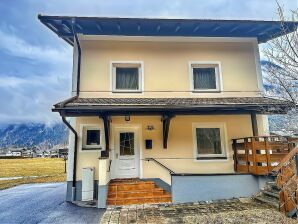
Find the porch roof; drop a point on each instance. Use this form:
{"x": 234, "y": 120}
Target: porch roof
{"x": 66, "y": 26}
{"x": 222, "y": 105}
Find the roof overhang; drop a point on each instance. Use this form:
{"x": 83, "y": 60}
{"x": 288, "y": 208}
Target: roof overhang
{"x": 66, "y": 26}
{"x": 74, "y": 107}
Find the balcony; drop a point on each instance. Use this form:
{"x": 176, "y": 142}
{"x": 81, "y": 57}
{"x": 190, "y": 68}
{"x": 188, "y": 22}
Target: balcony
{"x": 259, "y": 155}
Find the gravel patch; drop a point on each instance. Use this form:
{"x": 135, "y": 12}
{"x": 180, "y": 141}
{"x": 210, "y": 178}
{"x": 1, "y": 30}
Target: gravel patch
{"x": 218, "y": 212}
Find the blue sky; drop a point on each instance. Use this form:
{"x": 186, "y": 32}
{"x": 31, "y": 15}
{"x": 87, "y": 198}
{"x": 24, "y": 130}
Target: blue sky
{"x": 35, "y": 65}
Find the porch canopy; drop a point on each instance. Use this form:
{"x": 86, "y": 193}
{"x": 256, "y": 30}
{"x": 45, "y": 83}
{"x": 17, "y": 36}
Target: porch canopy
{"x": 67, "y": 26}
{"x": 167, "y": 108}
{"x": 176, "y": 106}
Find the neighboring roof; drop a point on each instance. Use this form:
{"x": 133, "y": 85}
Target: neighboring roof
{"x": 179, "y": 105}
{"x": 66, "y": 26}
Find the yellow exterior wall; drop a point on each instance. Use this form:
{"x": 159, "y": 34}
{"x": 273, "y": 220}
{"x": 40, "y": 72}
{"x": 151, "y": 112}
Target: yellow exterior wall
{"x": 179, "y": 154}
{"x": 166, "y": 66}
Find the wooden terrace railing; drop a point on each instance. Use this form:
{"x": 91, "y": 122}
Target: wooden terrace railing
{"x": 259, "y": 155}
{"x": 287, "y": 182}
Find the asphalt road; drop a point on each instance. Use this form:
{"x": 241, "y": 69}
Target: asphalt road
{"x": 43, "y": 203}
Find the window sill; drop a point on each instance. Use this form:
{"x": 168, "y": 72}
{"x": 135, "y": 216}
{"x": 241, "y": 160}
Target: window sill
{"x": 212, "y": 158}
{"x": 90, "y": 149}
{"x": 127, "y": 91}
{"x": 206, "y": 91}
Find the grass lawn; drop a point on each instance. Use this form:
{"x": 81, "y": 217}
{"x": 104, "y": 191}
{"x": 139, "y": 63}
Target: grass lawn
{"x": 34, "y": 170}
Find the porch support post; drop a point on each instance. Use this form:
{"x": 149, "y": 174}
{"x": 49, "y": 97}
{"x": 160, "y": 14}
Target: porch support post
{"x": 254, "y": 124}
{"x": 166, "y": 119}
{"x": 106, "y": 123}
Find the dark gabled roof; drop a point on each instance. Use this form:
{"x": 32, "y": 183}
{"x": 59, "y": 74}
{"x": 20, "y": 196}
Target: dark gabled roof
{"x": 178, "y": 105}
{"x": 66, "y": 26}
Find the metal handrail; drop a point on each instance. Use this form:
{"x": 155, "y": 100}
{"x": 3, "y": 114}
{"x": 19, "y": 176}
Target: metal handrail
{"x": 162, "y": 165}
{"x": 110, "y": 163}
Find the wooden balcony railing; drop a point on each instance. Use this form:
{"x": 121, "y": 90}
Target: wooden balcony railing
{"x": 259, "y": 155}
{"x": 287, "y": 182}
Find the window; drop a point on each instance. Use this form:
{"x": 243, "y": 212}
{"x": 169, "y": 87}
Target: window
{"x": 209, "y": 141}
{"x": 205, "y": 77}
{"x": 127, "y": 144}
{"x": 127, "y": 77}
{"x": 91, "y": 138}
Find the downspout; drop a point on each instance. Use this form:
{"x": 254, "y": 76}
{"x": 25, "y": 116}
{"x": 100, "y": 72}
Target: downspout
{"x": 73, "y": 189}
{"x": 79, "y": 56}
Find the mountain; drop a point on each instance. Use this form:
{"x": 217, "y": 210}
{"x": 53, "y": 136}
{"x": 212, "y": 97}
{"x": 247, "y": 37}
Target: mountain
{"x": 33, "y": 134}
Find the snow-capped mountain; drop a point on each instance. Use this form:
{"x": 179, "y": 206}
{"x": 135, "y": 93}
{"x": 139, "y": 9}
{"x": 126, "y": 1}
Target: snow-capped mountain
{"x": 33, "y": 134}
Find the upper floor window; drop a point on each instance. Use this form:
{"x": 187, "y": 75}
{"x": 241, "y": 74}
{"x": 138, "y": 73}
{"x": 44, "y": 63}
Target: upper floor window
{"x": 205, "y": 77}
{"x": 127, "y": 76}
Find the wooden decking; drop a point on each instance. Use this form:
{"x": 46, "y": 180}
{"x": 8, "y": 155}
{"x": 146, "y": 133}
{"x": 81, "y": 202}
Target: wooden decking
{"x": 259, "y": 155}
{"x": 135, "y": 191}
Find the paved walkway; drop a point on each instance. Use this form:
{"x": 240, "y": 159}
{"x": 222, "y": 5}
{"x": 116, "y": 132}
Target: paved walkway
{"x": 43, "y": 203}
{"x": 221, "y": 212}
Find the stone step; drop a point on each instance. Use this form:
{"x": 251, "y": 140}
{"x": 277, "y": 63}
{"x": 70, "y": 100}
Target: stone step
{"x": 144, "y": 193}
{"x": 272, "y": 184}
{"x": 136, "y": 191}
{"x": 267, "y": 200}
{"x": 139, "y": 200}
{"x": 271, "y": 193}
{"x": 132, "y": 187}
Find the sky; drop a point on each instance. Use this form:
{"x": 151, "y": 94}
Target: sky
{"x": 36, "y": 65}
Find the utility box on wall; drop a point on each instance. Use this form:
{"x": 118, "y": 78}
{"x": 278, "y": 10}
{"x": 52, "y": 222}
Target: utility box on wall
{"x": 87, "y": 183}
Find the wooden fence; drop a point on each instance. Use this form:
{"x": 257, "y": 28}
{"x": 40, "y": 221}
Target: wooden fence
{"x": 259, "y": 155}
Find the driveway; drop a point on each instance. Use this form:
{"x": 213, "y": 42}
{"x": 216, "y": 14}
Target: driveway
{"x": 43, "y": 203}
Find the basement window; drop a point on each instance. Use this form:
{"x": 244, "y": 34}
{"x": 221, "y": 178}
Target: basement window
{"x": 209, "y": 141}
{"x": 91, "y": 138}
{"x": 127, "y": 77}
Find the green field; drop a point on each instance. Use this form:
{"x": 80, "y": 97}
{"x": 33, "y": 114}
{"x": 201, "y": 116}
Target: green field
{"x": 34, "y": 170}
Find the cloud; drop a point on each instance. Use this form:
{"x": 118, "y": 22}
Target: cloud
{"x": 31, "y": 98}
{"x": 18, "y": 47}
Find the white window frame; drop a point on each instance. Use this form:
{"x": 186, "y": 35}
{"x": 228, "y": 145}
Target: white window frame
{"x": 85, "y": 147}
{"x": 206, "y": 64}
{"x": 113, "y": 66}
{"x": 223, "y": 140}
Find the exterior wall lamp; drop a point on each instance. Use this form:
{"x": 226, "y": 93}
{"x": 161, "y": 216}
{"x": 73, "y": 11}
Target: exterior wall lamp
{"x": 127, "y": 118}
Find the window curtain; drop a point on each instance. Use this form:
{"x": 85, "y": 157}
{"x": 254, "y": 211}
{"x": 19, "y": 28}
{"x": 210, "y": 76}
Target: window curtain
{"x": 127, "y": 78}
{"x": 204, "y": 78}
{"x": 208, "y": 141}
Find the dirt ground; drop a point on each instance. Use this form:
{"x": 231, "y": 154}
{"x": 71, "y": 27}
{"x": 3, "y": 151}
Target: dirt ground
{"x": 219, "y": 212}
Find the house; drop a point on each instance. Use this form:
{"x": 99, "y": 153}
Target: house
{"x": 18, "y": 152}
{"x": 166, "y": 105}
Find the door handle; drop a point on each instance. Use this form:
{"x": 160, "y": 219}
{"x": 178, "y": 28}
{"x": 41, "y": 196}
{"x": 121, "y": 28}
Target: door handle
{"x": 116, "y": 155}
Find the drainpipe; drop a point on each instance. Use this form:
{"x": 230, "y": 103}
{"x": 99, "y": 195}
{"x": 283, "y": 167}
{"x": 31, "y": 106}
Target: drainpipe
{"x": 79, "y": 55}
{"x": 73, "y": 189}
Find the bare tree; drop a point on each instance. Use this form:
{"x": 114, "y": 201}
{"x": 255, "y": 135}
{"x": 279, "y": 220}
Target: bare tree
{"x": 281, "y": 69}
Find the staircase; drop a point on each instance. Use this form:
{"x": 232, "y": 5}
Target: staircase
{"x": 136, "y": 191}
{"x": 269, "y": 195}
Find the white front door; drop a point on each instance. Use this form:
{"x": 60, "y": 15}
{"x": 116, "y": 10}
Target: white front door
{"x": 126, "y": 153}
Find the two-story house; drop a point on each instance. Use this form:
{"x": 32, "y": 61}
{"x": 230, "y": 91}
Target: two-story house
{"x": 156, "y": 103}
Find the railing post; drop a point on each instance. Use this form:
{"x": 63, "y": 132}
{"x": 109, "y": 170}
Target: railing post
{"x": 246, "y": 153}
{"x": 235, "y": 154}
{"x": 254, "y": 155}
{"x": 267, "y": 155}
{"x": 296, "y": 160}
